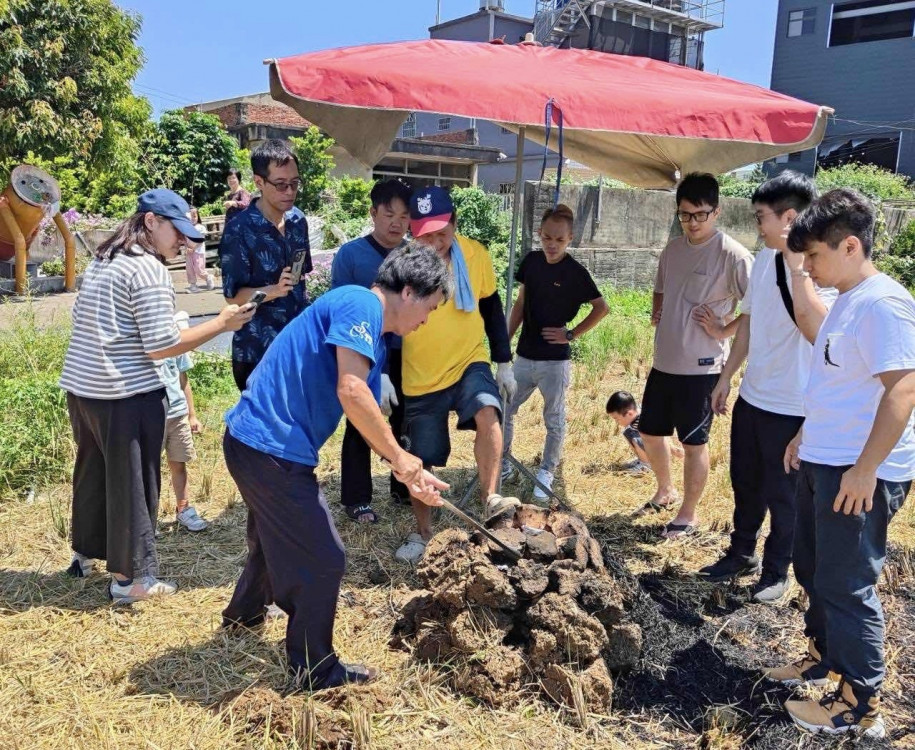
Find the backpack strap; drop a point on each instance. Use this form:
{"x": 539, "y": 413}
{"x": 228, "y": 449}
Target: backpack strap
{"x": 782, "y": 281}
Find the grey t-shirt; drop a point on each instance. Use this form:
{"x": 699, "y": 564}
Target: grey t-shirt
{"x": 715, "y": 273}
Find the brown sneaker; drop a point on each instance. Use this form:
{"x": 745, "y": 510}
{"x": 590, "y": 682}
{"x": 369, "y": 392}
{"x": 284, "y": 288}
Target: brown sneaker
{"x": 839, "y": 712}
{"x": 808, "y": 670}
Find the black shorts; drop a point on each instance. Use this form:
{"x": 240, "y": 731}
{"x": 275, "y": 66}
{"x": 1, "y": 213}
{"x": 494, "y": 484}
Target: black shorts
{"x": 678, "y": 402}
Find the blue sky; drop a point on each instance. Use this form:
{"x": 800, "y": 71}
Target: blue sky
{"x": 199, "y": 50}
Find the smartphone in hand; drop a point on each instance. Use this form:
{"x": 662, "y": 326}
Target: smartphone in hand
{"x": 256, "y": 298}
{"x": 298, "y": 265}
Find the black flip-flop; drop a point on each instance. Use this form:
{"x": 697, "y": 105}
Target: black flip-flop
{"x": 680, "y": 529}
{"x": 354, "y": 511}
{"x": 652, "y": 506}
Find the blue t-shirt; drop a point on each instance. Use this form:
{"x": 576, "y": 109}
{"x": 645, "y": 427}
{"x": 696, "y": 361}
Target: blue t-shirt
{"x": 170, "y": 372}
{"x": 253, "y": 253}
{"x": 290, "y": 407}
{"x": 357, "y": 262}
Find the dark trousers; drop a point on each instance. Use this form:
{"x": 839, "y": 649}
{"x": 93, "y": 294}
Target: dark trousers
{"x": 241, "y": 371}
{"x": 758, "y": 442}
{"x": 116, "y": 479}
{"x": 295, "y": 558}
{"x": 356, "y": 456}
{"x": 838, "y": 559}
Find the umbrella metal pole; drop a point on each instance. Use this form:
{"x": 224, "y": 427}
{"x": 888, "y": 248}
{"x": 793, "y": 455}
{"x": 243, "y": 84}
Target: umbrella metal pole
{"x": 509, "y": 285}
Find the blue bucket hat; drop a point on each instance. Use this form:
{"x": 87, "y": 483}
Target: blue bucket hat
{"x": 169, "y": 205}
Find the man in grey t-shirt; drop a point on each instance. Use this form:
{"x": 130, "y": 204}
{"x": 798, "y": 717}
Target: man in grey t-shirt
{"x": 701, "y": 277}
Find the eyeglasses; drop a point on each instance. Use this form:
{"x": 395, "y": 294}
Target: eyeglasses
{"x": 285, "y": 187}
{"x": 686, "y": 217}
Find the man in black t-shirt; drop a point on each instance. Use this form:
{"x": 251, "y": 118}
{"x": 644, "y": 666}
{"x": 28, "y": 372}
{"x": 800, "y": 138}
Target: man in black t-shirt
{"x": 553, "y": 287}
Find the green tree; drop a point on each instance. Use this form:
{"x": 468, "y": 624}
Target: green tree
{"x": 315, "y": 163}
{"x": 480, "y": 215}
{"x": 190, "y": 153}
{"x": 876, "y": 183}
{"x": 65, "y": 72}
{"x": 353, "y": 196}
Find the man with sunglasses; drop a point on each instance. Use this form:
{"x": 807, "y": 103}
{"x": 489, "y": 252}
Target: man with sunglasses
{"x": 701, "y": 277}
{"x": 257, "y": 252}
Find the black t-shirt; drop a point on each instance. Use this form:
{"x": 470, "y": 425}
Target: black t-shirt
{"x": 553, "y": 293}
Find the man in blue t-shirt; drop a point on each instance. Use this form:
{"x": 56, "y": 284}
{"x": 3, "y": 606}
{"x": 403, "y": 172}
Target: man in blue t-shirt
{"x": 357, "y": 262}
{"x": 324, "y": 364}
{"x": 257, "y": 252}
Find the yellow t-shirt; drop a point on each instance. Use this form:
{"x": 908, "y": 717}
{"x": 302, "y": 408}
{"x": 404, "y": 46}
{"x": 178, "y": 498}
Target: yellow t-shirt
{"x": 436, "y": 354}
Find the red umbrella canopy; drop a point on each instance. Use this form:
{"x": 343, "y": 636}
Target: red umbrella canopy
{"x": 636, "y": 119}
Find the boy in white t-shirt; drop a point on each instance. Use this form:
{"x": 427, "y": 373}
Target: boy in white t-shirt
{"x": 856, "y": 456}
{"x": 780, "y": 315}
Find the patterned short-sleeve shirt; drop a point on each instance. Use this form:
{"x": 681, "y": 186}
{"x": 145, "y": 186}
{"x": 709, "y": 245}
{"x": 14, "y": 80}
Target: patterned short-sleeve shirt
{"x": 253, "y": 253}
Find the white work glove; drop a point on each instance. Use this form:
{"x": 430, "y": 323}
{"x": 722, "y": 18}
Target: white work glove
{"x": 505, "y": 379}
{"x": 388, "y": 396}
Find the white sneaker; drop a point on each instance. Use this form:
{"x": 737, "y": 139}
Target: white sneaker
{"x": 81, "y": 566}
{"x": 412, "y": 550}
{"x": 636, "y": 467}
{"x": 139, "y": 590}
{"x": 211, "y": 282}
{"x": 508, "y": 470}
{"x": 192, "y": 289}
{"x": 546, "y": 479}
{"x": 496, "y": 504}
{"x": 190, "y": 520}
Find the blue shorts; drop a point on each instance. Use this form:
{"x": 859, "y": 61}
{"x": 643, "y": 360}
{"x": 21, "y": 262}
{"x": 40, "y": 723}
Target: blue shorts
{"x": 425, "y": 432}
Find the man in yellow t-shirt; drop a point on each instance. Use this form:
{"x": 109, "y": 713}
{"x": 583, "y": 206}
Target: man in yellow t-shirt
{"x": 446, "y": 366}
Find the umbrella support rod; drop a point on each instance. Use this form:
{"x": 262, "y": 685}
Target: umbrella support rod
{"x": 516, "y": 221}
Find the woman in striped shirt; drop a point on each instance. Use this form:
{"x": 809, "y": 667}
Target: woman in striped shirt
{"x": 122, "y": 326}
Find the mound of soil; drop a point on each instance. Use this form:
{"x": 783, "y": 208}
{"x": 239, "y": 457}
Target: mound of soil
{"x": 554, "y": 621}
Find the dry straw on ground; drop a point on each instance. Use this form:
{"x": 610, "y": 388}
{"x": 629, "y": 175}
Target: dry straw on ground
{"x": 78, "y": 673}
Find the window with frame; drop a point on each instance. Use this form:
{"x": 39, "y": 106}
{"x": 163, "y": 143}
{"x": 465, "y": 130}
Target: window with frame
{"x": 802, "y": 22}
{"x": 871, "y": 21}
{"x": 408, "y": 129}
{"x": 444, "y": 123}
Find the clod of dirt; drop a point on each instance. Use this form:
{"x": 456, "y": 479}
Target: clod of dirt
{"x": 559, "y": 683}
{"x": 494, "y": 677}
{"x": 542, "y": 546}
{"x": 600, "y": 597}
{"x": 532, "y": 517}
{"x": 500, "y": 625}
{"x": 490, "y": 586}
{"x": 575, "y": 548}
{"x": 478, "y": 629}
{"x": 529, "y": 578}
{"x": 625, "y": 647}
{"x": 580, "y": 636}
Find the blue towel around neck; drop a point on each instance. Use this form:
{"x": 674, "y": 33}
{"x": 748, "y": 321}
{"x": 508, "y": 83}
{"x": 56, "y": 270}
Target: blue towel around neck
{"x": 464, "y": 298}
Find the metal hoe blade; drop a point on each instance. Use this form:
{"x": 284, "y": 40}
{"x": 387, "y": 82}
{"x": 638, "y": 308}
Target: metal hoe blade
{"x": 481, "y": 528}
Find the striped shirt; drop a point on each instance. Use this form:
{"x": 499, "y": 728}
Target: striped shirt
{"x": 122, "y": 314}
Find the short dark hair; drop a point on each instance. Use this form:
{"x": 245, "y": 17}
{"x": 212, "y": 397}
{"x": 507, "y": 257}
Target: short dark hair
{"x": 270, "y": 152}
{"x": 561, "y": 212}
{"x": 234, "y": 171}
{"x": 787, "y": 190}
{"x": 831, "y": 218}
{"x": 418, "y": 267}
{"x": 698, "y": 188}
{"x": 621, "y": 401}
{"x": 384, "y": 193}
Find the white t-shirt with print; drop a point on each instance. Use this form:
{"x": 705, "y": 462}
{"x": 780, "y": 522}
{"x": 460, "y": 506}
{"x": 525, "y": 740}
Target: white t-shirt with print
{"x": 869, "y": 330}
{"x": 778, "y": 362}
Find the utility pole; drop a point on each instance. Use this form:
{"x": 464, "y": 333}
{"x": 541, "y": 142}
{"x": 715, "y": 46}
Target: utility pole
{"x": 438, "y": 12}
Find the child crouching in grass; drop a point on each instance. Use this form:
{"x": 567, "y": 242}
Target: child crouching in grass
{"x": 624, "y": 410}
{"x": 180, "y": 425}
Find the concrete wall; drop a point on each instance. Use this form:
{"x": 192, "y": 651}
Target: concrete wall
{"x": 871, "y": 82}
{"x": 621, "y": 242}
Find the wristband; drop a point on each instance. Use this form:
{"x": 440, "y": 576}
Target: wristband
{"x": 803, "y": 274}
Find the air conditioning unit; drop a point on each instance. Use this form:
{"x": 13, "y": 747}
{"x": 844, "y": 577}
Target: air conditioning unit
{"x": 492, "y": 4}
